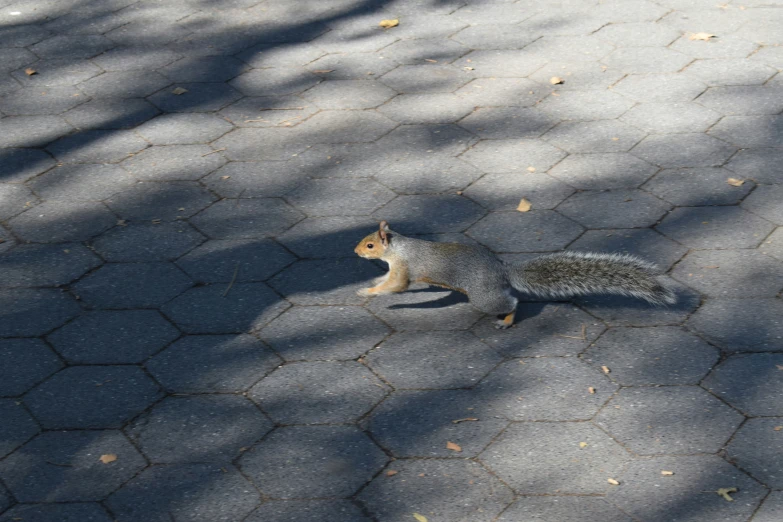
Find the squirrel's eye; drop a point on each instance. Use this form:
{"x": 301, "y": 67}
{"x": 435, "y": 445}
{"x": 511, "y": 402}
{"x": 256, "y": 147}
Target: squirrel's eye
{"x": 370, "y": 245}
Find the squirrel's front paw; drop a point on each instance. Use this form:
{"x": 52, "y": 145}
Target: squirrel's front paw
{"x": 364, "y": 292}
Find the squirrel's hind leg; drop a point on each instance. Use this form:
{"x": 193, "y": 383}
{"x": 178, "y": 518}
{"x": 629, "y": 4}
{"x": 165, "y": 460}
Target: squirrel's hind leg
{"x": 501, "y": 304}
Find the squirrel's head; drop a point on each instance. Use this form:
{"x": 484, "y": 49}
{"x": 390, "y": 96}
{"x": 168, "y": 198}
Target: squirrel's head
{"x": 375, "y": 245}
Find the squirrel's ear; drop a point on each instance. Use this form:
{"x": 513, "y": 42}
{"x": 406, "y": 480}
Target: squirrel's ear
{"x": 383, "y": 230}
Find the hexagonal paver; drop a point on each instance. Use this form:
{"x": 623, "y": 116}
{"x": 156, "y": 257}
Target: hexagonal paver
{"x": 437, "y": 489}
{"x": 65, "y": 466}
{"x": 312, "y": 462}
{"x": 535, "y": 231}
{"x": 177, "y": 162}
{"x": 307, "y": 511}
{"x": 674, "y": 420}
{"x": 351, "y": 37}
{"x": 46, "y": 265}
{"x": 275, "y": 144}
{"x": 428, "y": 78}
{"x": 524, "y": 390}
{"x": 324, "y": 333}
{"x": 614, "y": 209}
{"x": 318, "y": 392}
{"x": 147, "y": 242}
{"x": 715, "y": 227}
{"x": 349, "y": 94}
{"x": 638, "y": 34}
{"x": 751, "y": 382}
{"x": 93, "y": 512}
{"x": 268, "y": 111}
{"x": 753, "y": 449}
{"x": 728, "y": 46}
{"x": 246, "y": 218}
{"x": 19, "y": 165}
{"x": 554, "y": 448}
{"x": 30, "y": 312}
{"x": 646, "y": 60}
{"x": 161, "y": 201}
{"x": 92, "y": 397}
{"x": 763, "y": 165}
{"x": 772, "y": 508}
{"x": 31, "y": 131}
{"x": 501, "y": 92}
{"x": 765, "y": 202}
{"x": 328, "y": 281}
{"x": 431, "y": 174}
{"x": 508, "y": 122}
{"x": 264, "y": 55}
{"x": 274, "y": 81}
{"x": 665, "y": 118}
{"x": 345, "y": 127}
{"x": 690, "y": 491}
{"x": 575, "y": 76}
{"x": 502, "y": 156}
{"x": 417, "y": 52}
{"x": 322, "y": 237}
{"x": 504, "y": 191}
{"x": 594, "y": 136}
{"x": 352, "y": 66}
{"x": 602, "y": 171}
{"x": 731, "y": 273}
{"x": 111, "y": 113}
{"x": 82, "y": 182}
{"x": 27, "y": 362}
{"x": 200, "y": 97}
{"x": 212, "y": 309}
{"x": 184, "y": 129}
{"x": 744, "y": 99}
{"x": 570, "y": 48}
{"x": 116, "y": 337}
{"x": 423, "y": 308}
{"x": 124, "y": 84}
{"x": 203, "y": 69}
{"x": 198, "y": 429}
{"x": 430, "y": 214}
{"x": 494, "y": 36}
{"x": 97, "y": 146}
{"x": 128, "y": 58}
{"x": 586, "y": 105}
{"x": 661, "y": 88}
{"x": 544, "y": 330}
{"x": 41, "y": 100}
{"x": 339, "y": 197}
{"x": 72, "y": 47}
{"x": 419, "y": 423}
{"x": 737, "y": 71}
{"x": 653, "y": 356}
{"x": 410, "y": 139}
{"x": 17, "y": 428}
{"x": 502, "y": 63}
{"x": 185, "y": 492}
{"x": 221, "y": 261}
{"x": 131, "y": 285}
{"x": 443, "y": 360}
{"x": 554, "y": 508}
{"x": 683, "y": 150}
{"x": 58, "y": 221}
{"x": 440, "y": 107}
{"x": 697, "y": 187}
{"x": 212, "y": 363}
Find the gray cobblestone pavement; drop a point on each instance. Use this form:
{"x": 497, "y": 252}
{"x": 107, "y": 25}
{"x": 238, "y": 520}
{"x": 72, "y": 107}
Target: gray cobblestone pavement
{"x": 182, "y": 183}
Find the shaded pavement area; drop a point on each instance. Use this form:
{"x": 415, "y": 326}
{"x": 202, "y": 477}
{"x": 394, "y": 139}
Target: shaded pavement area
{"x": 182, "y": 183}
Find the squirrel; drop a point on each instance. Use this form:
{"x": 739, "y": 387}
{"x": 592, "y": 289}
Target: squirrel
{"x": 487, "y": 281}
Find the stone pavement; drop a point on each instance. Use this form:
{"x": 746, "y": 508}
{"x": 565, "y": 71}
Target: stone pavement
{"x": 182, "y": 183}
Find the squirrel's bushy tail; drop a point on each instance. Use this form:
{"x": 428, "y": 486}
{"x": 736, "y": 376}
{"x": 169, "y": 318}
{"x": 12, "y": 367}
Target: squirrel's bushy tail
{"x": 567, "y": 274}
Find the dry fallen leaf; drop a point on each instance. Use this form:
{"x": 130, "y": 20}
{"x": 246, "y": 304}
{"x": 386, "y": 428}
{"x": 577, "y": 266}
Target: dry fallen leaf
{"x": 464, "y": 420}
{"x": 667, "y": 473}
{"x": 524, "y": 205}
{"x": 613, "y": 482}
{"x": 453, "y": 447}
{"x": 468, "y": 68}
{"x": 591, "y": 390}
{"x": 605, "y": 369}
{"x": 724, "y": 492}
{"x": 420, "y": 518}
{"x": 109, "y": 457}
{"x": 391, "y": 472}
{"x": 734, "y": 182}
{"x": 554, "y": 80}
{"x": 778, "y": 428}
{"x": 179, "y": 90}
{"x": 531, "y": 169}
{"x": 30, "y": 71}
{"x": 225, "y": 177}
{"x": 701, "y": 36}
{"x": 582, "y": 444}
{"x": 386, "y": 24}
{"x": 323, "y": 71}
{"x": 430, "y": 60}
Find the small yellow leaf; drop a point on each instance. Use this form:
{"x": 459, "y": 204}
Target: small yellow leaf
{"x": 179, "y": 90}
{"x": 591, "y": 390}
{"x": 531, "y": 169}
{"x": 582, "y": 444}
{"x": 391, "y": 472}
{"x": 420, "y": 518}
{"x": 30, "y": 71}
{"x": 667, "y": 473}
{"x": 453, "y": 447}
{"x": 554, "y": 80}
{"x": 524, "y": 205}
{"x": 109, "y": 457}
{"x": 613, "y": 482}
{"x": 724, "y": 492}
{"x": 386, "y": 24}
{"x": 701, "y": 36}
{"x": 734, "y": 182}
{"x": 605, "y": 369}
